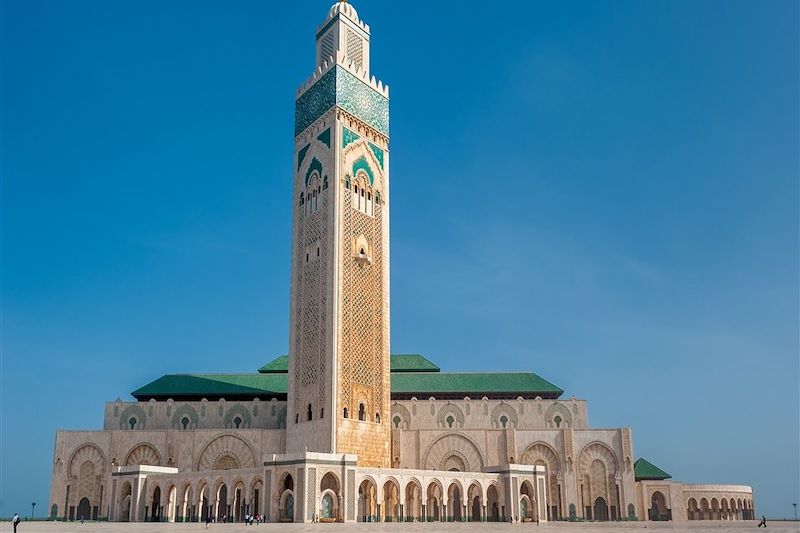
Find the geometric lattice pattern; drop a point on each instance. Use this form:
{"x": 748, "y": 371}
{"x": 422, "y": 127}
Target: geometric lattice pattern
{"x": 311, "y": 303}
{"x": 362, "y": 340}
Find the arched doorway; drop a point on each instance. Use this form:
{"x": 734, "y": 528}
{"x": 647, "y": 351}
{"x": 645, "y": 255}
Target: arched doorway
{"x": 329, "y": 503}
{"x": 84, "y": 509}
{"x": 492, "y": 505}
{"x": 172, "y": 501}
{"x": 367, "y": 501}
{"x": 454, "y": 502}
{"x": 155, "y": 506}
{"x": 527, "y": 497}
{"x": 434, "y": 502}
{"x": 124, "y": 510}
{"x": 222, "y": 503}
{"x": 237, "y": 509}
{"x": 475, "y": 503}
{"x": 658, "y": 507}
{"x": 186, "y": 510}
{"x": 202, "y": 503}
{"x": 286, "y": 507}
{"x": 601, "y": 510}
{"x": 413, "y": 507}
{"x": 391, "y": 501}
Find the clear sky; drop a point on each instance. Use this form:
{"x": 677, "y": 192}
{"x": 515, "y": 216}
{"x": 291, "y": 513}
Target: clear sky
{"x": 605, "y": 193}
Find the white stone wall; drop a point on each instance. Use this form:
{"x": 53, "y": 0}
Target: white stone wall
{"x": 430, "y": 413}
{"x": 204, "y": 414}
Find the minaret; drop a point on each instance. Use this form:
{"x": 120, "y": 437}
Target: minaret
{"x": 339, "y": 388}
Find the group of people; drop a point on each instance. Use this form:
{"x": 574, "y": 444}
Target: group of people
{"x": 249, "y": 519}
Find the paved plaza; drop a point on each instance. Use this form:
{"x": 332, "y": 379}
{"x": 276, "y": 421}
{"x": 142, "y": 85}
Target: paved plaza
{"x": 559, "y": 527}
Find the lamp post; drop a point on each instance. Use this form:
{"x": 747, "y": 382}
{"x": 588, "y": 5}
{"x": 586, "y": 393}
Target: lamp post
{"x": 33, "y": 506}
{"x": 795, "y": 511}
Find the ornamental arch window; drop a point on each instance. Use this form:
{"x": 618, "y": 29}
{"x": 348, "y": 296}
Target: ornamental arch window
{"x": 362, "y": 412}
{"x": 132, "y": 422}
{"x": 309, "y": 414}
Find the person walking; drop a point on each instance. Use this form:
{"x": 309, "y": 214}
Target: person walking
{"x": 208, "y": 520}
{"x": 763, "y": 522}
{"x": 14, "y": 521}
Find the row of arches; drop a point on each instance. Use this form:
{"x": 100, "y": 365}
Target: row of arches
{"x": 433, "y": 502}
{"x": 187, "y": 502}
{"x": 720, "y": 509}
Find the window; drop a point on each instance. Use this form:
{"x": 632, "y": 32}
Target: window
{"x": 297, "y": 418}
{"x": 322, "y": 412}
{"x": 325, "y": 183}
{"x": 450, "y": 420}
{"x": 185, "y": 422}
{"x": 377, "y": 418}
{"x": 237, "y": 422}
{"x": 302, "y": 199}
{"x": 132, "y": 422}
{"x": 504, "y": 420}
{"x": 317, "y": 251}
{"x": 308, "y": 412}
{"x": 344, "y": 413}
{"x": 362, "y": 412}
{"x": 557, "y": 421}
{"x": 306, "y": 257}
{"x": 396, "y": 421}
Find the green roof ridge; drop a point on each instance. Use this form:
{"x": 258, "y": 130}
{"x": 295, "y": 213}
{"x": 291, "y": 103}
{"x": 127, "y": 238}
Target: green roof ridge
{"x": 645, "y": 470}
{"x": 278, "y": 365}
{"x": 400, "y": 362}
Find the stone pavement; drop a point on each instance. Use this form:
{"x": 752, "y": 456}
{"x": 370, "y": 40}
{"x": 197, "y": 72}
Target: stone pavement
{"x": 560, "y": 527}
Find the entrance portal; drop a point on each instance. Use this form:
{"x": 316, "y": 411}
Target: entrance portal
{"x": 84, "y": 510}
{"x": 600, "y": 510}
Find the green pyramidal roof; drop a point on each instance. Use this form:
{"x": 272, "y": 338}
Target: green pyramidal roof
{"x": 399, "y": 363}
{"x": 644, "y": 470}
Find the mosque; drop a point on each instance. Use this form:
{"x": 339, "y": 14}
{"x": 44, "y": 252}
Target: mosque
{"x": 340, "y": 429}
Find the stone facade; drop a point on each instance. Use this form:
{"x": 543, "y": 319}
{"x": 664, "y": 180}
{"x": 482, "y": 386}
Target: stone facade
{"x": 328, "y": 436}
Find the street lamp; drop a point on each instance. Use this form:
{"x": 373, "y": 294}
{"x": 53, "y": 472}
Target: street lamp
{"x": 795, "y": 511}
{"x": 33, "y": 506}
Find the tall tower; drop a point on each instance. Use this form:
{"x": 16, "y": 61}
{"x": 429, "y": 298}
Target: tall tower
{"x": 339, "y": 387}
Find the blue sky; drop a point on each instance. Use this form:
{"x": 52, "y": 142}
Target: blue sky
{"x": 605, "y": 193}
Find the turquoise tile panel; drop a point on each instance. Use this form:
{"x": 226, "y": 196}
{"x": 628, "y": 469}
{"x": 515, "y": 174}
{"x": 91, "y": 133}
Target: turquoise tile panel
{"x": 339, "y": 87}
{"x": 378, "y": 153}
{"x": 348, "y": 137}
{"x": 302, "y": 155}
{"x": 325, "y": 137}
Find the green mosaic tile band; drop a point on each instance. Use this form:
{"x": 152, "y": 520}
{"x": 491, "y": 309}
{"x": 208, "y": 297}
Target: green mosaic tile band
{"x": 340, "y": 87}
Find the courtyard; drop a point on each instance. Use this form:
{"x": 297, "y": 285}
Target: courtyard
{"x": 560, "y": 527}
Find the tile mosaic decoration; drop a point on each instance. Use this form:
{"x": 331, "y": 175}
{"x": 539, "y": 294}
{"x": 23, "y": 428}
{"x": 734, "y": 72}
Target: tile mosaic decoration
{"x": 325, "y": 137}
{"x": 378, "y": 153}
{"x": 361, "y": 164}
{"x": 301, "y": 154}
{"x": 315, "y": 165}
{"x": 348, "y": 137}
{"x": 340, "y": 87}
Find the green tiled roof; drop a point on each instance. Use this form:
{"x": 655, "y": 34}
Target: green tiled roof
{"x": 412, "y": 363}
{"x": 645, "y": 470}
{"x": 399, "y": 363}
{"x": 412, "y": 375}
{"x": 214, "y": 386}
{"x": 474, "y": 384}
{"x": 279, "y": 364}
